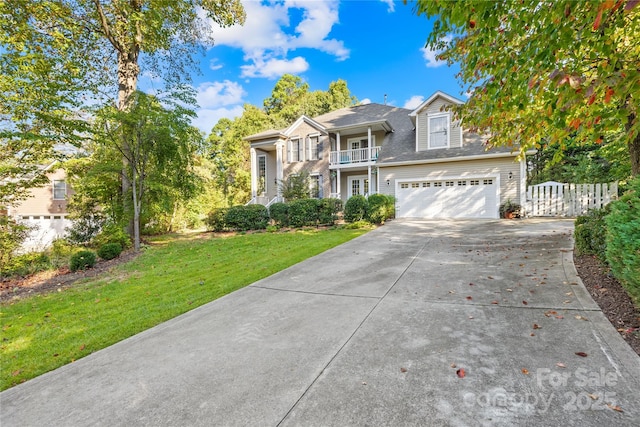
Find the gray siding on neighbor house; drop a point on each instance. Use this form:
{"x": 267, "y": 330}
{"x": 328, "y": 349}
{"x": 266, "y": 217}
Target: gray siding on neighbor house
{"x": 509, "y": 188}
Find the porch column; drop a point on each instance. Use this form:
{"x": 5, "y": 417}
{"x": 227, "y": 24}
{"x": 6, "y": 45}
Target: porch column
{"x": 369, "y": 177}
{"x": 254, "y": 177}
{"x": 279, "y": 174}
{"x": 369, "y": 145}
{"x": 338, "y": 191}
{"x": 338, "y": 144}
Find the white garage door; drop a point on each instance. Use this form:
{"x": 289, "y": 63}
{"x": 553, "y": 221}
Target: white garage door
{"x": 448, "y": 198}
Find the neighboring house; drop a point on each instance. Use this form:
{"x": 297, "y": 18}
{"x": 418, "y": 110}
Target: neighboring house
{"x": 424, "y": 158}
{"x": 45, "y": 210}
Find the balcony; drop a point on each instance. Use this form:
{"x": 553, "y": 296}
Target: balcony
{"x": 358, "y": 156}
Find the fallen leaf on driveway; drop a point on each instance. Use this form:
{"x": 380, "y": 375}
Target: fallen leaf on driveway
{"x": 453, "y": 365}
{"x": 494, "y": 302}
{"x": 403, "y": 370}
{"x": 614, "y": 407}
{"x": 593, "y": 396}
{"x": 536, "y": 326}
{"x": 582, "y": 318}
{"x": 525, "y": 371}
{"x": 561, "y": 365}
{"x": 469, "y": 298}
{"x": 581, "y": 354}
{"x": 524, "y": 302}
{"x": 461, "y": 373}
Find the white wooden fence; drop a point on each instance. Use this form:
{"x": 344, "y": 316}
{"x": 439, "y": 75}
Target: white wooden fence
{"x": 558, "y": 199}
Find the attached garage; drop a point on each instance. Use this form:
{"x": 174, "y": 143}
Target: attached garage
{"x": 459, "y": 197}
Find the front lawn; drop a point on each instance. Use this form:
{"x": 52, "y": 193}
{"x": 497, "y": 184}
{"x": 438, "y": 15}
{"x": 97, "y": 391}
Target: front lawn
{"x": 174, "y": 275}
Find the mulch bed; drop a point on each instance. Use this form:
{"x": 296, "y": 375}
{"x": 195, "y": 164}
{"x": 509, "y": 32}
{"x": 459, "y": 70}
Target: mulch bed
{"x": 612, "y": 298}
{"x": 53, "y": 280}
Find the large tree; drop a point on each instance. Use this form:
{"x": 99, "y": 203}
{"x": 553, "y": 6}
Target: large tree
{"x": 56, "y": 51}
{"x": 544, "y": 71}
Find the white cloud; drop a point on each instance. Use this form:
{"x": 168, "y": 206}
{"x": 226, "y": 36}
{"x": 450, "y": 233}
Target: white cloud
{"x": 431, "y": 55}
{"x": 392, "y": 6}
{"x": 219, "y": 94}
{"x": 213, "y": 64}
{"x": 273, "y": 68}
{"x": 365, "y": 101}
{"x": 413, "y": 102}
{"x": 208, "y": 117}
{"x": 268, "y": 35}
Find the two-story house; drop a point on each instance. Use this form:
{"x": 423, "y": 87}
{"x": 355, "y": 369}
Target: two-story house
{"x": 424, "y": 158}
{"x": 45, "y": 210}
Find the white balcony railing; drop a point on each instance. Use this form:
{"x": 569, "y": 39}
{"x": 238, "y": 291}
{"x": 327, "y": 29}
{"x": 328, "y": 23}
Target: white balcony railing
{"x": 360, "y": 155}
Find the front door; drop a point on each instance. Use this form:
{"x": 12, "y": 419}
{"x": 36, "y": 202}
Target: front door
{"x": 358, "y": 185}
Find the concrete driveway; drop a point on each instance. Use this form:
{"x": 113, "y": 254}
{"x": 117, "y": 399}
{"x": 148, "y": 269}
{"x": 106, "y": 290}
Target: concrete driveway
{"x": 374, "y": 332}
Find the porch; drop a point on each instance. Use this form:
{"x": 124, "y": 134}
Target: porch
{"x": 359, "y": 156}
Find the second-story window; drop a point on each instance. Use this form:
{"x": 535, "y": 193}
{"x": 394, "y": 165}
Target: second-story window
{"x": 439, "y": 131}
{"x": 59, "y": 190}
{"x": 315, "y": 148}
{"x": 295, "y": 150}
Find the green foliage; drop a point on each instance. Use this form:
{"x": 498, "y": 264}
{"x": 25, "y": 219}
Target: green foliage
{"x": 303, "y": 212}
{"x": 84, "y": 229}
{"x": 623, "y": 239}
{"x": 279, "y": 213}
{"x": 565, "y": 70}
{"x": 109, "y": 251}
{"x": 590, "y": 232}
{"x": 328, "y": 210}
{"x": 250, "y": 217}
{"x": 112, "y": 233}
{"x": 82, "y": 260}
{"x": 357, "y": 225}
{"x": 381, "y": 208}
{"x": 12, "y": 235}
{"x": 60, "y": 252}
{"x": 216, "y": 219}
{"x": 296, "y": 186}
{"x": 356, "y": 209}
{"x": 25, "y": 264}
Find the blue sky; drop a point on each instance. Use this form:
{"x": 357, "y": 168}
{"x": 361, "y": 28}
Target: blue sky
{"x": 375, "y": 45}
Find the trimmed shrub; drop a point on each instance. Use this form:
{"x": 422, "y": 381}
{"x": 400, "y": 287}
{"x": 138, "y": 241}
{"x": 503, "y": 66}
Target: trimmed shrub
{"x": 590, "y": 233}
{"x": 279, "y": 213}
{"x": 250, "y": 217}
{"x": 381, "y": 208}
{"x": 82, "y": 260}
{"x": 328, "y": 210}
{"x": 110, "y": 251}
{"x": 356, "y": 209}
{"x": 623, "y": 239}
{"x": 215, "y": 220}
{"x": 303, "y": 212}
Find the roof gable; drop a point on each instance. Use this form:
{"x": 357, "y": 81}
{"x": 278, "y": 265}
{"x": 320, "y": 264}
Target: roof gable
{"x": 304, "y": 119}
{"x": 428, "y": 101}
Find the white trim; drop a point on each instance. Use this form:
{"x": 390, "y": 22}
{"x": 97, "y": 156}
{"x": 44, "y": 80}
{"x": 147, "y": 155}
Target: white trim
{"x": 360, "y": 139}
{"x": 53, "y": 189}
{"x": 432, "y": 98}
{"x": 447, "y": 129}
{"x": 447, "y": 159}
{"x": 523, "y": 185}
{"x": 265, "y": 172}
{"x": 309, "y": 121}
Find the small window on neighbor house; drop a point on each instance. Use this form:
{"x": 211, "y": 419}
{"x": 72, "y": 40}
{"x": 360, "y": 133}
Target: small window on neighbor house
{"x": 415, "y": 185}
{"x": 404, "y": 185}
{"x": 437, "y": 184}
{"x": 487, "y": 182}
{"x": 462, "y": 183}
{"x": 426, "y": 184}
{"x": 59, "y": 190}
{"x": 449, "y": 183}
{"x": 474, "y": 182}
{"x": 315, "y": 148}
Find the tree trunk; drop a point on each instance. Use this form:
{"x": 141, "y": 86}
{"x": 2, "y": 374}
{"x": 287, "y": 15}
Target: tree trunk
{"x": 634, "y": 148}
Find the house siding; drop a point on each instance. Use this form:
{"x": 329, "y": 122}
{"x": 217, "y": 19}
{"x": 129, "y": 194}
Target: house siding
{"x": 509, "y": 188}
{"x": 40, "y": 200}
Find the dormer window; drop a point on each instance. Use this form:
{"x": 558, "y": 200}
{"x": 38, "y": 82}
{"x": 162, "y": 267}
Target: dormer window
{"x": 439, "y": 131}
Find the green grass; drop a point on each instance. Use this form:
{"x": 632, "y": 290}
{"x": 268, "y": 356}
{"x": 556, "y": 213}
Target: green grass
{"x": 174, "y": 275}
